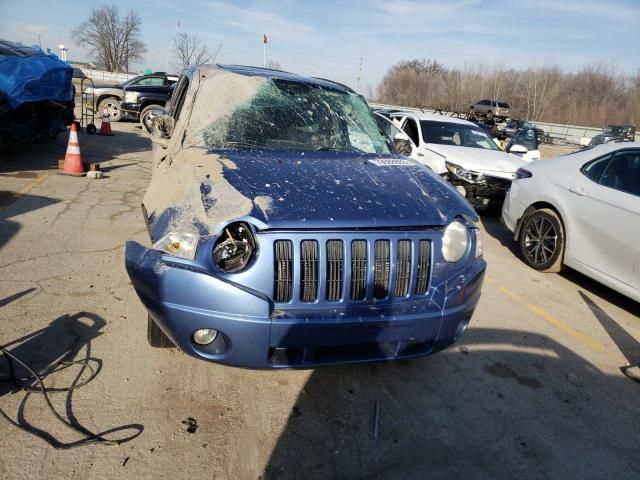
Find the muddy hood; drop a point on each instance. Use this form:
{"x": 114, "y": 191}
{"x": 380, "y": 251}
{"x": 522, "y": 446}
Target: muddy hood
{"x": 340, "y": 190}
{"x": 478, "y": 159}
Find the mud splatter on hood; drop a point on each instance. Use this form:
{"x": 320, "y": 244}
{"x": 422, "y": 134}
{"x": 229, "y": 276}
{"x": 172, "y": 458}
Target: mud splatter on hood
{"x": 339, "y": 190}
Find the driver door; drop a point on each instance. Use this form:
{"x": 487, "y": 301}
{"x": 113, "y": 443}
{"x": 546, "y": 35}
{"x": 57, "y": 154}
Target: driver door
{"x": 529, "y": 140}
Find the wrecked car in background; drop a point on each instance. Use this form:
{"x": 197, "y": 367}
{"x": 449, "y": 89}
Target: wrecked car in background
{"x": 615, "y": 133}
{"x": 36, "y": 94}
{"x": 286, "y": 231}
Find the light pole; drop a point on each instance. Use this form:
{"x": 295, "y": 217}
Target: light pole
{"x": 63, "y": 52}
{"x": 39, "y": 37}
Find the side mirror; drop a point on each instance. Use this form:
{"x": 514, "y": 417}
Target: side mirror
{"x": 160, "y": 127}
{"x": 517, "y": 149}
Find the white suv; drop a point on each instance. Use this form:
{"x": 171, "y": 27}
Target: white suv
{"x": 462, "y": 153}
{"x": 491, "y": 109}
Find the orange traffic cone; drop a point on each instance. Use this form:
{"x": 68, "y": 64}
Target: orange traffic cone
{"x": 105, "y": 127}
{"x": 72, "y": 161}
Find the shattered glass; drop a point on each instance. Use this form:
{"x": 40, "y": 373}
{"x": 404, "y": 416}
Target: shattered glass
{"x": 285, "y": 115}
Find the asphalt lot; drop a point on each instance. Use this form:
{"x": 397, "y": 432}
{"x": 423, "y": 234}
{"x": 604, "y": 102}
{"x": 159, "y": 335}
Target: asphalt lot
{"x": 533, "y": 390}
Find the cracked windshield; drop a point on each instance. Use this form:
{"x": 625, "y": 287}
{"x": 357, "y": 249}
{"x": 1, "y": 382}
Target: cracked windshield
{"x": 296, "y": 116}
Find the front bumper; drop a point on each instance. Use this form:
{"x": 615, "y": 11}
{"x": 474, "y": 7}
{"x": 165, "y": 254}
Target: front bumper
{"x": 130, "y": 111}
{"x": 252, "y": 334}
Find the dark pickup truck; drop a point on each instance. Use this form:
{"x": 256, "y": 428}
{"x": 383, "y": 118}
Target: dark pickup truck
{"x": 139, "y": 100}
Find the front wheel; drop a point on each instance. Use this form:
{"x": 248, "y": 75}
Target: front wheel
{"x": 542, "y": 241}
{"x": 112, "y": 105}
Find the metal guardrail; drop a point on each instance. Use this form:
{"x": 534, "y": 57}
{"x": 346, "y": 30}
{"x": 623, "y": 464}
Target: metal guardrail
{"x": 574, "y": 134}
{"x": 108, "y": 77}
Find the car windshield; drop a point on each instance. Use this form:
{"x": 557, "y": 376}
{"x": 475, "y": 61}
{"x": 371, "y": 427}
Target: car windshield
{"x": 457, "y": 134}
{"x": 291, "y": 115}
{"x": 526, "y": 124}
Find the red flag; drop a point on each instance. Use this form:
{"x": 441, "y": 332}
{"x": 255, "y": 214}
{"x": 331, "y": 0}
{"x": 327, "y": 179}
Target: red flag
{"x": 264, "y": 38}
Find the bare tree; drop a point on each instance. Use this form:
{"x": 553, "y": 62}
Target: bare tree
{"x": 114, "y": 40}
{"x": 188, "y": 50}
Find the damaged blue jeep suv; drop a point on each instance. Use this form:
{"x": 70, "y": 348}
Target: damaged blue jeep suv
{"x": 287, "y": 232}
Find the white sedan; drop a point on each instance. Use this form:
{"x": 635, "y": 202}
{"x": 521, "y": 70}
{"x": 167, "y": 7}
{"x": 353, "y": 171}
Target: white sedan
{"x": 581, "y": 210}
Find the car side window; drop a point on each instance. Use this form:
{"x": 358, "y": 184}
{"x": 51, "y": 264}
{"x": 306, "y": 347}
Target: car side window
{"x": 151, "y": 82}
{"x": 595, "y": 168}
{"x": 526, "y": 138}
{"x": 411, "y": 128}
{"x": 623, "y": 173}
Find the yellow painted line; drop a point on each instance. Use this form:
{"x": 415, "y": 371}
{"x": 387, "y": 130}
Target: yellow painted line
{"x": 586, "y": 340}
{"x": 26, "y": 189}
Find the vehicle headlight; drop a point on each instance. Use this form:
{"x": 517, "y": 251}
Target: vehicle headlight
{"x": 463, "y": 173}
{"x": 479, "y": 244}
{"x": 235, "y": 247}
{"x": 455, "y": 241}
{"x": 181, "y": 245}
{"x": 130, "y": 97}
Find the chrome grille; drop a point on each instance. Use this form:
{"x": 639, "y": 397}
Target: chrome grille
{"x": 381, "y": 265}
{"x": 309, "y": 272}
{"x": 424, "y": 256}
{"x": 335, "y": 265}
{"x": 358, "y": 269}
{"x": 403, "y": 268}
{"x": 283, "y": 269}
{"x": 352, "y": 269}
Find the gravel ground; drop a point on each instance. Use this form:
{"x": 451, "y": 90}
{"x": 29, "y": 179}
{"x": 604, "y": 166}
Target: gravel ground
{"x": 533, "y": 390}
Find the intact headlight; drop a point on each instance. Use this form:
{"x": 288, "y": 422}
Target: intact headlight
{"x": 130, "y": 97}
{"x": 181, "y": 245}
{"x": 455, "y": 241}
{"x": 235, "y": 247}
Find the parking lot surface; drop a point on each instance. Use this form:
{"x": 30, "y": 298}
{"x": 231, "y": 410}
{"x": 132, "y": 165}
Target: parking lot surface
{"x": 533, "y": 390}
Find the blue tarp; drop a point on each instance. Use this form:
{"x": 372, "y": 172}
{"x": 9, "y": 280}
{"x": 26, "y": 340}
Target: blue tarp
{"x": 27, "y": 74}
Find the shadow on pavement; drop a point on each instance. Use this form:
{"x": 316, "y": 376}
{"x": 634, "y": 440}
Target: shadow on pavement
{"x": 23, "y": 160}
{"x": 503, "y": 404}
{"x": 627, "y": 345}
{"x": 61, "y": 354}
{"x": 13, "y": 205}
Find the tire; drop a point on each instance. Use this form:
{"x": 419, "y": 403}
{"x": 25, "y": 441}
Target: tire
{"x": 112, "y": 105}
{"x": 144, "y": 113}
{"x": 156, "y": 337}
{"x": 91, "y": 129}
{"x": 542, "y": 241}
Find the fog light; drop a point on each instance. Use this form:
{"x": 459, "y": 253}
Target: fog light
{"x": 204, "y": 336}
{"x": 462, "y": 327}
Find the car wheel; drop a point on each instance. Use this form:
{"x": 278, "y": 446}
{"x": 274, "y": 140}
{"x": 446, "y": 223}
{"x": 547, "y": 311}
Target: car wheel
{"x": 146, "y": 115}
{"x": 542, "y": 241}
{"x": 113, "y": 107}
{"x": 156, "y": 337}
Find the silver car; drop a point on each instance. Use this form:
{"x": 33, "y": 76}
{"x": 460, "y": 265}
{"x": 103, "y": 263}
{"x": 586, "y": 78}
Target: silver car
{"x": 491, "y": 109}
{"x": 581, "y": 210}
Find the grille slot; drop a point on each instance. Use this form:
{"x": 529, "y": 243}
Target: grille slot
{"x": 424, "y": 256}
{"x": 335, "y": 265}
{"x": 381, "y": 269}
{"x": 309, "y": 271}
{"x": 358, "y": 269}
{"x": 403, "y": 268}
{"x": 283, "y": 270}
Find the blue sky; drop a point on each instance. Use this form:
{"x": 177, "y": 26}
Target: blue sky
{"x": 326, "y": 38}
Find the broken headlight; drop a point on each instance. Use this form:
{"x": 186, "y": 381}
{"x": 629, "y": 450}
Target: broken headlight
{"x": 235, "y": 247}
{"x": 464, "y": 174}
{"x": 178, "y": 244}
